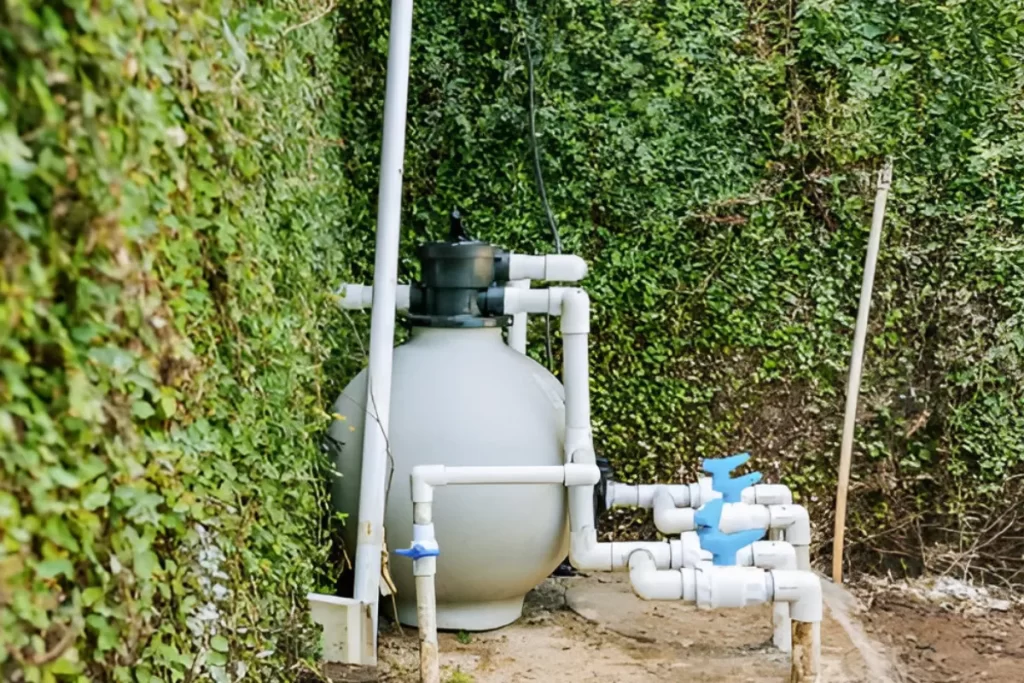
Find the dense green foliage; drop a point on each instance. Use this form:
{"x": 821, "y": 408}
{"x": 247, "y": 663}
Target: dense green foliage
{"x": 169, "y": 214}
{"x": 181, "y": 183}
{"x": 715, "y": 163}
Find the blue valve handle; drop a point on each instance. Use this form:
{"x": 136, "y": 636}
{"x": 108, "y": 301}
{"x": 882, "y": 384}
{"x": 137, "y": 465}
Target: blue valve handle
{"x": 720, "y": 470}
{"x": 418, "y": 552}
{"x": 709, "y": 515}
{"x": 722, "y": 546}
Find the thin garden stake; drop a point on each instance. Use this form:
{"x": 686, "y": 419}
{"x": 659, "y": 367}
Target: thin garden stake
{"x": 856, "y": 366}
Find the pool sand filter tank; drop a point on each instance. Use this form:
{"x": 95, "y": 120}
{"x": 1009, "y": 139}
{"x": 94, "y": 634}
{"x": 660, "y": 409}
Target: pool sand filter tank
{"x": 480, "y": 463}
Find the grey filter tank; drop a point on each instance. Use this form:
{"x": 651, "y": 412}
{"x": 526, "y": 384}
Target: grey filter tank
{"x": 460, "y": 396}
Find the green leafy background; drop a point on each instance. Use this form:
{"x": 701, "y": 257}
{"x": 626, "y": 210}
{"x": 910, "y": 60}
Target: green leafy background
{"x": 183, "y": 183}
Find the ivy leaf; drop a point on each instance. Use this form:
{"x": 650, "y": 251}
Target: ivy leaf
{"x": 92, "y": 595}
{"x": 96, "y": 500}
{"x": 142, "y": 410}
{"x": 219, "y": 643}
{"x": 49, "y": 569}
{"x": 145, "y": 563}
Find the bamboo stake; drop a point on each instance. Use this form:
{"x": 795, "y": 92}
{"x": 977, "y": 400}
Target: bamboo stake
{"x": 856, "y": 367}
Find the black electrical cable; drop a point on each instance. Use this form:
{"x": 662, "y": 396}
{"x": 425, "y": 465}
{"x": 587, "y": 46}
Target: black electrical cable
{"x": 539, "y": 175}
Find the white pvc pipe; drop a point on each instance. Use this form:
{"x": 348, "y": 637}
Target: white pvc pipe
{"x": 373, "y": 480}
{"x": 424, "y": 479}
{"x": 767, "y": 494}
{"x": 355, "y": 297}
{"x": 792, "y": 519}
{"x": 712, "y": 587}
{"x": 668, "y": 518}
{"x": 424, "y": 569}
{"x": 773, "y": 555}
{"x": 576, "y": 370}
{"x": 651, "y": 584}
{"x": 545, "y": 301}
{"x": 517, "y": 332}
{"x": 642, "y": 495}
{"x": 587, "y": 554}
{"x": 427, "y": 477}
{"x": 552, "y": 268}
{"x": 692, "y": 495}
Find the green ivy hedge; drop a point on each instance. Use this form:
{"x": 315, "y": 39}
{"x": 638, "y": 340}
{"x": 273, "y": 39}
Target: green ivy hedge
{"x": 182, "y": 183}
{"x": 171, "y": 191}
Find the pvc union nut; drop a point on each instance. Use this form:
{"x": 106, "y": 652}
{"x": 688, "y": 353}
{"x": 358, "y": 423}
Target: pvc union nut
{"x": 732, "y": 587}
{"x": 773, "y": 555}
{"x": 768, "y": 494}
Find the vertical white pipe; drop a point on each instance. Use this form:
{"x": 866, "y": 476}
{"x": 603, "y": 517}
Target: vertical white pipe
{"x": 577, "y": 391}
{"x": 426, "y": 598}
{"x": 517, "y": 333}
{"x": 382, "y": 320}
{"x": 856, "y": 366}
{"x": 576, "y": 379}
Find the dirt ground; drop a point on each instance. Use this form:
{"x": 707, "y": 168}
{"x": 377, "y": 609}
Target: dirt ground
{"x": 938, "y": 638}
{"x": 594, "y": 629}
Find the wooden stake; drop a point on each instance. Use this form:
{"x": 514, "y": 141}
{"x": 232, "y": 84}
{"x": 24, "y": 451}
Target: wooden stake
{"x": 856, "y": 366}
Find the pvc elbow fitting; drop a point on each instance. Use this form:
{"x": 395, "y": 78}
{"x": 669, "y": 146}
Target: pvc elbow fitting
{"x": 575, "y": 311}
{"x": 802, "y": 590}
{"x": 424, "y": 479}
{"x": 794, "y": 520}
{"x": 651, "y": 583}
{"x": 668, "y": 518}
{"x": 586, "y": 554}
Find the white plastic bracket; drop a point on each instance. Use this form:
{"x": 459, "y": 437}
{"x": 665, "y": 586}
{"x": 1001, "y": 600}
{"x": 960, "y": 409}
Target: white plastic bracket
{"x": 347, "y": 629}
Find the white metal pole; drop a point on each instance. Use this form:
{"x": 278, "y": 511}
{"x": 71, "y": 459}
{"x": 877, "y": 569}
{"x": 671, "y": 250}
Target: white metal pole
{"x": 374, "y": 476}
{"x": 856, "y": 366}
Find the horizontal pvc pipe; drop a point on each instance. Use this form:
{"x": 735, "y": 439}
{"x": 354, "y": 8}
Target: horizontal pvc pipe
{"x": 642, "y": 495}
{"x": 355, "y": 297}
{"x": 712, "y": 587}
{"x": 426, "y": 477}
{"x": 692, "y": 495}
{"x": 586, "y": 554}
{"x": 792, "y": 519}
{"x": 519, "y": 300}
{"x": 767, "y": 494}
{"x": 552, "y": 268}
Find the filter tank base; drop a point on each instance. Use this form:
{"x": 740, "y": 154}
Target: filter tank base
{"x": 475, "y": 616}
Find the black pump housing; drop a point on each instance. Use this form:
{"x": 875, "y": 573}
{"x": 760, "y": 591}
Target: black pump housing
{"x": 459, "y": 285}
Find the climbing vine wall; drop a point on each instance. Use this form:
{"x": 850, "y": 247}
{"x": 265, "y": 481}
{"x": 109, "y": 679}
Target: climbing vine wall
{"x": 182, "y": 183}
